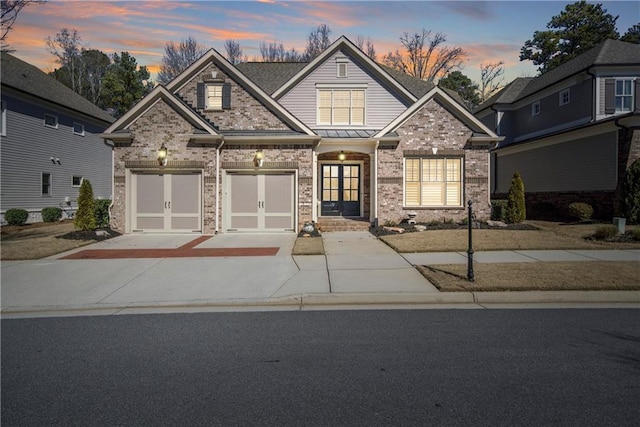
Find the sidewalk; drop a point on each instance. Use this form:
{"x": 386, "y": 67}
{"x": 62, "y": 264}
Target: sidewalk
{"x": 357, "y": 270}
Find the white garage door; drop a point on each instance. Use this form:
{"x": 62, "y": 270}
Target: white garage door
{"x": 170, "y": 202}
{"x": 262, "y": 202}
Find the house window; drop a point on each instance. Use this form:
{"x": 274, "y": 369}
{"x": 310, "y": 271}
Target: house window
{"x": 51, "y": 121}
{"x": 341, "y": 107}
{"x": 433, "y": 182}
{"x": 341, "y": 67}
{"x": 214, "y": 97}
{"x": 78, "y": 129}
{"x": 3, "y": 118}
{"x": 46, "y": 184}
{"x": 76, "y": 180}
{"x": 565, "y": 97}
{"x": 624, "y": 94}
{"x": 535, "y": 108}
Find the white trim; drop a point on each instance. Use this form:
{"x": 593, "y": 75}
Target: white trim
{"x": 444, "y": 173}
{"x": 3, "y": 118}
{"x": 339, "y": 44}
{"x": 77, "y": 176}
{"x": 73, "y": 129}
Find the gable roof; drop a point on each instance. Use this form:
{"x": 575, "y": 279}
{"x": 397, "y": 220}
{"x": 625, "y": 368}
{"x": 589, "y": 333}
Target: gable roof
{"x": 270, "y": 76}
{"x": 481, "y": 132}
{"x": 608, "y": 52}
{"x": 345, "y": 44}
{"x": 220, "y": 61}
{"x": 29, "y": 79}
{"x": 200, "y": 124}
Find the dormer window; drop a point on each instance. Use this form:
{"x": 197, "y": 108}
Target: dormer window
{"x": 341, "y": 67}
{"x": 624, "y": 94}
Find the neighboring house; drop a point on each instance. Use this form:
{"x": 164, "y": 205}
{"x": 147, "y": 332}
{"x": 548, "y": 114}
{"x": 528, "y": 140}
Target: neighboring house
{"x": 271, "y": 146}
{"x": 571, "y": 132}
{"x": 48, "y": 142}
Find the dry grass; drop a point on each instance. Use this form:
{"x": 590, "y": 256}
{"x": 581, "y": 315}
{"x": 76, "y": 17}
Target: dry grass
{"x": 35, "y": 241}
{"x": 549, "y": 236}
{"x": 308, "y": 246}
{"x": 557, "y": 276}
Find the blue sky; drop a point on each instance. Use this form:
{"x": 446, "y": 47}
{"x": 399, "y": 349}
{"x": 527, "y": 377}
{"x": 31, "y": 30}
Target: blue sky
{"x": 488, "y": 31}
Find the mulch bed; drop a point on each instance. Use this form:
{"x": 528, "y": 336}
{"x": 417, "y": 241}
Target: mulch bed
{"x": 409, "y": 228}
{"x": 99, "y": 234}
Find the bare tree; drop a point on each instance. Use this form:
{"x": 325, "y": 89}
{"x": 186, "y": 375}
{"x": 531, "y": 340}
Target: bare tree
{"x": 490, "y": 79}
{"x": 366, "y": 46}
{"x": 276, "y": 52}
{"x": 317, "y": 42}
{"x": 177, "y": 57}
{"x": 66, "y": 46}
{"x": 234, "y": 52}
{"x": 425, "y": 57}
{"x": 10, "y": 11}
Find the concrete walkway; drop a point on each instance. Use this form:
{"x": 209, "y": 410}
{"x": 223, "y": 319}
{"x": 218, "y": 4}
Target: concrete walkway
{"x": 356, "y": 270}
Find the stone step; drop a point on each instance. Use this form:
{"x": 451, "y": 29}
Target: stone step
{"x": 343, "y": 224}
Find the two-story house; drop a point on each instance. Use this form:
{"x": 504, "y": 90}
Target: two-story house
{"x": 571, "y": 133}
{"x": 271, "y": 146}
{"x": 49, "y": 142}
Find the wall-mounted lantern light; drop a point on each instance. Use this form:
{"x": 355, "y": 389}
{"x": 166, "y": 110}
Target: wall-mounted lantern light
{"x": 342, "y": 156}
{"x": 162, "y": 155}
{"x": 258, "y": 158}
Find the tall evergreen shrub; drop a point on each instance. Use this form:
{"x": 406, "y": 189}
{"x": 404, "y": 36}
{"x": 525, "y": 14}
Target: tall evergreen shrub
{"x": 85, "y": 218}
{"x": 630, "y": 201}
{"x": 516, "y": 210}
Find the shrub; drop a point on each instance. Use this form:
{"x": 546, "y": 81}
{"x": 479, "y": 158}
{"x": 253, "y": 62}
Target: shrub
{"x": 516, "y": 210}
{"x": 635, "y": 234}
{"x": 51, "y": 214}
{"x": 85, "y": 218}
{"x": 630, "y": 200}
{"x": 102, "y": 212}
{"x": 580, "y": 211}
{"x": 390, "y": 223}
{"x": 606, "y": 232}
{"x": 498, "y": 210}
{"x": 16, "y": 216}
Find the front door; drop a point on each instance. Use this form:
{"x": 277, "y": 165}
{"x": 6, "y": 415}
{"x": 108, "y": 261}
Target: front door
{"x": 340, "y": 190}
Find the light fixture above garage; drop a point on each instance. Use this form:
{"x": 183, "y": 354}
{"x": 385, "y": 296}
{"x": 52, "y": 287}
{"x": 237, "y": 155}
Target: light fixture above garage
{"x": 162, "y": 155}
{"x": 258, "y": 158}
{"x": 342, "y": 156}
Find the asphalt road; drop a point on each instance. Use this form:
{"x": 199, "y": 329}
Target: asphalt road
{"x": 433, "y": 367}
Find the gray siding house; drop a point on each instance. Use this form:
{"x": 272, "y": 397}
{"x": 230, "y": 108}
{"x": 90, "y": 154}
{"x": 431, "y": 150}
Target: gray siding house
{"x": 571, "y": 132}
{"x": 341, "y": 141}
{"x": 49, "y": 142}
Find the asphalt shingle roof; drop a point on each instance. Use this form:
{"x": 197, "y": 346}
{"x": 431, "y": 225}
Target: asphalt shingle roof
{"x": 270, "y": 76}
{"x": 27, "y": 78}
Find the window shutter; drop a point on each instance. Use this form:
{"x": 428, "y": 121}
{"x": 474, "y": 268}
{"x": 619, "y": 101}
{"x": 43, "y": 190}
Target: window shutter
{"x": 636, "y": 96}
{"x": 609, "y": 96}
{"x": 226, "y": 96}
{"x": 200, "y": 95}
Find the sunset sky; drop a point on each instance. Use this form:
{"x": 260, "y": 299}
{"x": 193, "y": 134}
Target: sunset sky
{"x": 488, "y": 30}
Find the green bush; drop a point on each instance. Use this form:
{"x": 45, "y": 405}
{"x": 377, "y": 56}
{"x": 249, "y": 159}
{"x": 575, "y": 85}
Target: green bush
{"x": 606, "y": 232}
{"x": 498, "y": 210}
{"x": 102, "y": 212}
{"x": 630, "y": 200}
{"x": 635, "y": 234}
{"x": 51, "y": 214}
{"x": 516, "y": 210}
{"x": 580, "y": 211}
{"x": 85, "y": 218}
{"x": 16, "y": 216}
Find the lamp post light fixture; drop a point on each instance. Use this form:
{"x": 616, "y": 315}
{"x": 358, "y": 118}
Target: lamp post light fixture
{"x": 342, "y": 156}
{"x": 162, "y": 155}
{"x": 258, "y": 158}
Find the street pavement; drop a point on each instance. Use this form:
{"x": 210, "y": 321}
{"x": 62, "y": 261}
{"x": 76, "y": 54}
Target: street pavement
{"x": 357, "y": 270}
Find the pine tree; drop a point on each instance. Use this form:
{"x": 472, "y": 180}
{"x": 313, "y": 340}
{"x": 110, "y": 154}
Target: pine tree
{"x": 516, "y": 210}
{"x": 85, "y": 218}
{"x": 630, "y": 203}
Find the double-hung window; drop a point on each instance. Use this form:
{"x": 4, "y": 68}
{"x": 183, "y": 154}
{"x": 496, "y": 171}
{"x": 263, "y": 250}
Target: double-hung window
{"x": 624, "y": 95}
{"x": 433, "y": 182}
{"x": 214, "y": 97}
{"x": 46, "y": 184}
{"x": 341, "y": 106}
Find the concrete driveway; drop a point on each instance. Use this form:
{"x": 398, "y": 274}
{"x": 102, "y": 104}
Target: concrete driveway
{"x": 355, "y": 263}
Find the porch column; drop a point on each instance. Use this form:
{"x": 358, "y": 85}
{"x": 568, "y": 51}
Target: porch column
{"x": 314, "y": 185}
{"x": 373, "y": 157}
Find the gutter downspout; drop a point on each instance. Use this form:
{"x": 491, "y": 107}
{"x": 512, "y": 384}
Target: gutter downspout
{"x": 593, "y": 95}
{"x": 218, "y": 184}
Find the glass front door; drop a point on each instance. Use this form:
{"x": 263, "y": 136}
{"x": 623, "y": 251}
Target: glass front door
{"x": 340, "y": 190}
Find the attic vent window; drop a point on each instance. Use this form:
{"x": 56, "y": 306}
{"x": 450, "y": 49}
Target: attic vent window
{"x": 341, "y": 64}
{"x": 51, "y": 121}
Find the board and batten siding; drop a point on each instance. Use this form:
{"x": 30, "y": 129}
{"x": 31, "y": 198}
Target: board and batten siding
{"x": 382, "y": 106}
{"x": 587, "y": 164}
{"x": 27, "y": 149}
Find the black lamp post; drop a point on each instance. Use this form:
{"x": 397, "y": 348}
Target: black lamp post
{"x": 470, "y": 249}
